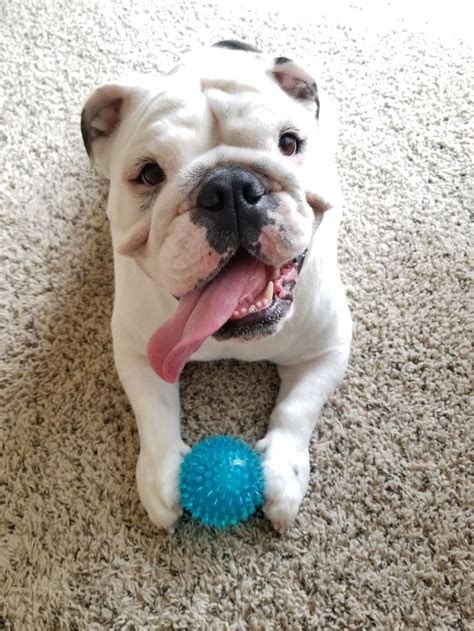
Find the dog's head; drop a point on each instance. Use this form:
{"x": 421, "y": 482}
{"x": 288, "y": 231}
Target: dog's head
{"x": 219, "y": 179}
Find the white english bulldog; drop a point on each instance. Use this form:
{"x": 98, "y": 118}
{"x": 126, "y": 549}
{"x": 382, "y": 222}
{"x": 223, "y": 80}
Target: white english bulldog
{"x": 224, "y": 207}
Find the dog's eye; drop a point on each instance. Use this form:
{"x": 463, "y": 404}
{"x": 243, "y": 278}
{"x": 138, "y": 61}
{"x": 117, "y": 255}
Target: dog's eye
{"x": 151, "y": 174}
{"x": 289, "y": 144}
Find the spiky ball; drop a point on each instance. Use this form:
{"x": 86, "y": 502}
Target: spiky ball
{"x": 221, "y": 481}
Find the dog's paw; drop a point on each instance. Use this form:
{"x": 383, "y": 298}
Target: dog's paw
{"x": 158, "y": 484}
{"x": 286, "y": 469}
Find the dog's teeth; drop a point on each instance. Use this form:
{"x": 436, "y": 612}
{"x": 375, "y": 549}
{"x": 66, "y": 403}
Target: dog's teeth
{"x": 236, "y": 313}
{"x": 252, "y": 309}
{"x": 276, "y": 273}
{"x": 268, "y": 294}
{"x": 259, "y": 304}
{"x": 243, "y": 311}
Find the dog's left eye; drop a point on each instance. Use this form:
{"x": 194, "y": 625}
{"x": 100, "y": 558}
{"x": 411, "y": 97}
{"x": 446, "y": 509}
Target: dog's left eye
{"x": 151, "y": 174}
{"x": 289, "y": 144}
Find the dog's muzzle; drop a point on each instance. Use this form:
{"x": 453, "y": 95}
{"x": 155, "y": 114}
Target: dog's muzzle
{"x": 246, "y": 295}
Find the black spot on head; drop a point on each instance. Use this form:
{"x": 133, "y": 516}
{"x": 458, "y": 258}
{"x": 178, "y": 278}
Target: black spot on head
{"x": 281, "y": 60}
{"x": 234, "y": 44}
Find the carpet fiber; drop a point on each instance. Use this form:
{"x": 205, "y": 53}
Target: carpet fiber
{"x": 382, "y": 539}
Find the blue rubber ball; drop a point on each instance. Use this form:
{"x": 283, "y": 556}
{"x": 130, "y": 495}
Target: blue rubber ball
{"x": 221, "y": 481}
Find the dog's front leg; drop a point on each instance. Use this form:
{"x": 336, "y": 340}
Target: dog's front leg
{"x": 157, "y": 412}
{"x": 285, "y": 449}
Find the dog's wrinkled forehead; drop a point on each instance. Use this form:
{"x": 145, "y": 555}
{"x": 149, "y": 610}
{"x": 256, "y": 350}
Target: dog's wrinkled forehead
{"x": 213, "y": 97}
{"x": 233, "y": 81}
{"x": 229, "y": 95}
{"x": 292, "y": 78}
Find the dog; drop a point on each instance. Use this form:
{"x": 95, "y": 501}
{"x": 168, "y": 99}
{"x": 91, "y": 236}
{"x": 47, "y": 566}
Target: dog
{"x": 224, "y": 207}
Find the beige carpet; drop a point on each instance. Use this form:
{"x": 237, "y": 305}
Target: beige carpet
{"x": 382, "y": 540}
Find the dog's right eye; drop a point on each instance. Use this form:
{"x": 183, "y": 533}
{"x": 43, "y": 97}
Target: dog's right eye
{"x": 151, "y": 174}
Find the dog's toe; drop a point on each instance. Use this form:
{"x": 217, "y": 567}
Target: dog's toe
{"x": 286, "y": 469}
{"x": 158, "y": 485}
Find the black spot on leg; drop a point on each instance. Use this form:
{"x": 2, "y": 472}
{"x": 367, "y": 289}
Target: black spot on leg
{"x": 296, "y": 471}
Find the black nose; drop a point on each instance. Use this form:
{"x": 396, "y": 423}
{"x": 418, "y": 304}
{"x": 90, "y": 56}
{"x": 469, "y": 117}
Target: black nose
{"x": 230, "y": 189}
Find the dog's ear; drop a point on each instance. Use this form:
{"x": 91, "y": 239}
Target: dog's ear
{"x": 100, "y": 119}
{"x": 296, "y": 82}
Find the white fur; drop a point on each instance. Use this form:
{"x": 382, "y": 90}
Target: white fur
{"x": 311, "y": 348}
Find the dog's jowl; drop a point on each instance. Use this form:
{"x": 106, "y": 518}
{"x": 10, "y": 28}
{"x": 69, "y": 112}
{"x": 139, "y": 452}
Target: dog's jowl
{"x": 224, "y": 207}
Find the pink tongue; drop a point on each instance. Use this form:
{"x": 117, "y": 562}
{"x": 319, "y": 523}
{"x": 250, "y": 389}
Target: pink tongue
{"x": 200, "y": 314}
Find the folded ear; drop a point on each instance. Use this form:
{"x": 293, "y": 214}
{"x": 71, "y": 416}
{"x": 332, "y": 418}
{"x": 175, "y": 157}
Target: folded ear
{"x": 296, "y": 82}
{"x": 101, "y": 117}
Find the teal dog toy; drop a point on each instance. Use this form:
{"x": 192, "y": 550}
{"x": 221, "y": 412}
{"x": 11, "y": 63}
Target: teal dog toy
{"x": 221, "y": 481}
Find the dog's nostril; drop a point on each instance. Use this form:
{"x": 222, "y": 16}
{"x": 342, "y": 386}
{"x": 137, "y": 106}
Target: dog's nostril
{"x": 252, "y": 191}
{"x": 211, "y": 197}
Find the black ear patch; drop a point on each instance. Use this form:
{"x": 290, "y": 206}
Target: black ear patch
{"x": 234, "y": 44}
{"x": 99, "y": 121}
{"x": 101, "y": 114}
{"x": 296, "y": 82}
{"x": 86, "y": 132}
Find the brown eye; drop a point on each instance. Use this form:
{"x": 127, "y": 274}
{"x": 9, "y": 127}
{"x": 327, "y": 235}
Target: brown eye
{"x": 289, "y": 144}
{"x": 151, "y": 174}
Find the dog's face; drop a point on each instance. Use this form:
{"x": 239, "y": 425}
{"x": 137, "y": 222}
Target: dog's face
{"x": 217, "y": 175}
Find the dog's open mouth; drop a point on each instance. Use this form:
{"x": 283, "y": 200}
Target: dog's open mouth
{"x": 245, "y": 300}
{"x": 258, "y": 312}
